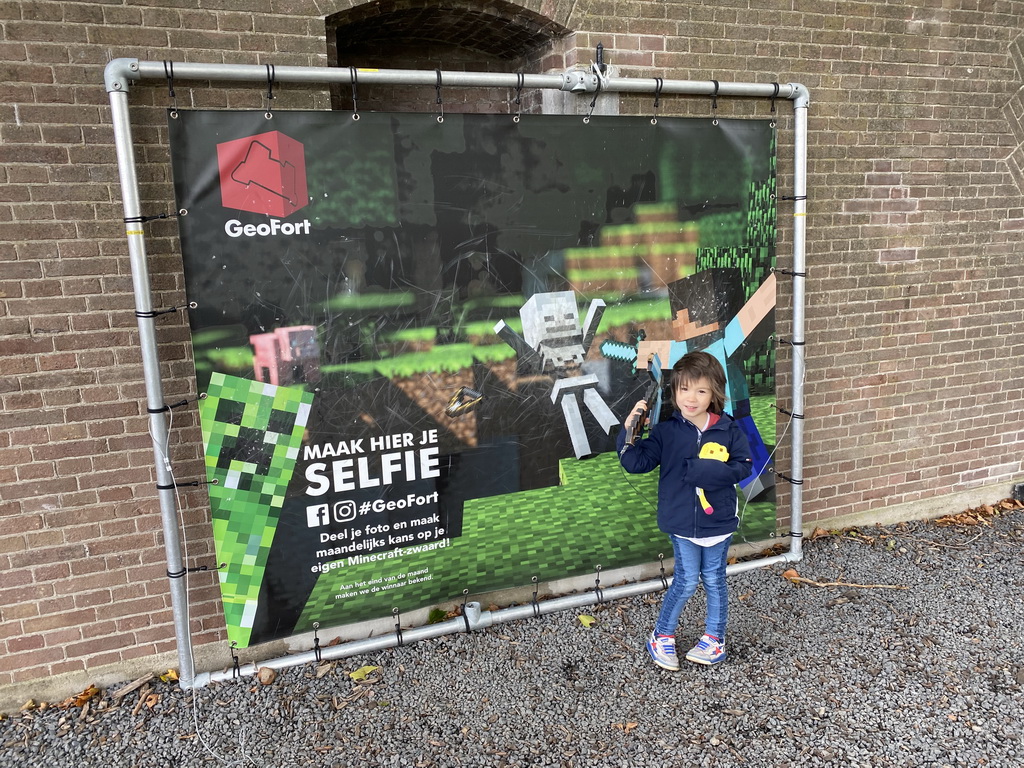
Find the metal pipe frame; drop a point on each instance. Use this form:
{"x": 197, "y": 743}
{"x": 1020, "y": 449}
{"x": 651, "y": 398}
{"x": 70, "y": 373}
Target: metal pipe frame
{"x": 118, "y": 76}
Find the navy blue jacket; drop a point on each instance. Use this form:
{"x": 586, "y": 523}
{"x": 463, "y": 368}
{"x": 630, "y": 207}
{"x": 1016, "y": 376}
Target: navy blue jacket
{"x": 674, "y": 445}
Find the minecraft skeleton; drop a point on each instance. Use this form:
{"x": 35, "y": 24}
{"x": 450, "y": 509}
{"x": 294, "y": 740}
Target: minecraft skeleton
{"x": 554, "y": 343}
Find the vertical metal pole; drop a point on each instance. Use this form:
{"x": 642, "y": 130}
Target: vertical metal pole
{"x": 151, "y": 370}
{"x": 799, "y": 285}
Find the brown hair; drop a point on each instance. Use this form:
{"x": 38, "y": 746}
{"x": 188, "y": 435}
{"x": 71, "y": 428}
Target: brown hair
{"x": 700, "y": 365}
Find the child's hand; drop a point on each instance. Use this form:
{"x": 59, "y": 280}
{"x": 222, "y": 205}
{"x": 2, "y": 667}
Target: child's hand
{"x": 635, "y": 414}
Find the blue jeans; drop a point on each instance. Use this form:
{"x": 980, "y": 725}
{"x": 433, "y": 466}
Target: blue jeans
{"x": 693, "y": 564}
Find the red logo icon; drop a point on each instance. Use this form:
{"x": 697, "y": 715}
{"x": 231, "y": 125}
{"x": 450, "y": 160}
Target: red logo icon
{"x": 263, "y": 174}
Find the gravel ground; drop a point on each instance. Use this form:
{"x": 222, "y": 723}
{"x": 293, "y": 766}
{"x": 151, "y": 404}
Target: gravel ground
{"x": 837, "y": 675}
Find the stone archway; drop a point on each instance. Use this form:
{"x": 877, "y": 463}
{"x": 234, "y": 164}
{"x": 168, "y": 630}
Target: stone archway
{"x": 451, "y": 35}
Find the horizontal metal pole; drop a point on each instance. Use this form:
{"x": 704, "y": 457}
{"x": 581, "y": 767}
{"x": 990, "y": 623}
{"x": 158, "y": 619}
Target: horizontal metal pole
{"x": 120, "y": 72}
{"x": 474, "y": 619}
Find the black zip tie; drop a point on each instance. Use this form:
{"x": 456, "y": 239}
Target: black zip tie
{"x": 593, "y": 102}
{"x": 780, "y": 409}
{"x": 536, "y": 606}
{"x": 520, "y": 81}
{"x": 144, "y": 219}
{"x": 788, "y": 534}
{"x": 270, "y": 91}
{"x": 774, "y": 97}
{"x": 789, "y": 479}
{"x": 440, "y": 104}
{"x": 789, "y": 342}
{"x": 166, "y": 408}
{"x": 664, "y": 579}
{"x": 789, "y": 272}
{"x": 316, "y": 642}
{"x": 597, "y": 587}
{"x": 792, "y": 197}
{"x": 354, "y": 74}
{"x": 198, "y": 568}
{"x": 157, "y": 312}
{"x": 714, "y": 101}
{"x": 398, "y": 626}
{"x": 192, "y": 484}
{"x": 235, "y": 672}
{"x": 465, "y": 617}
{"x": 169, "y": 74}
{"x": 659, "y": 83}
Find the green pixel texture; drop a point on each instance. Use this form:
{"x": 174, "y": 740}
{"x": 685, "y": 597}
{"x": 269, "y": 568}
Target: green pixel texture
{"x": 251, "y": 437}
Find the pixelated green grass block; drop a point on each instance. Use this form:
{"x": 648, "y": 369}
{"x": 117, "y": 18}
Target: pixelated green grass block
{"x": 600, "y": 515}
{"x": 251, "y": 437}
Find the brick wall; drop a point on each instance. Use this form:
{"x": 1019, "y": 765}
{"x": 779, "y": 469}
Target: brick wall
{"x": 914, "y": 372}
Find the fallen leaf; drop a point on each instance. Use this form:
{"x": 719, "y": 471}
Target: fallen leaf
{"x": 266, "y": 675}
{"x": 82, "y": 698}
{"x": 587, "y": 621}
{"x": 625, "y": 727}
{"x": 324, "y": 669}
{"x": 169, "y": 676}
{"x": 28, "y": 705}
{"x": 152, "y": 700}
{"x": 362, "y": 672}
{"x": 790, "y": 574}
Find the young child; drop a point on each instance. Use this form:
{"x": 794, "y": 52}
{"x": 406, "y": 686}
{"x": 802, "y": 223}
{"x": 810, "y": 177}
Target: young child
{"x": 702, "y": 454}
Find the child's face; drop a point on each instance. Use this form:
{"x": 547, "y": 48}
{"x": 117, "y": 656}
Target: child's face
{"x": 693, "y": 398}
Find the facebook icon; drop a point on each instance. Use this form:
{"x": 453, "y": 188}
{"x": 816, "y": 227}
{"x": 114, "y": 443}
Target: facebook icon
{"x": 317, "y": 515}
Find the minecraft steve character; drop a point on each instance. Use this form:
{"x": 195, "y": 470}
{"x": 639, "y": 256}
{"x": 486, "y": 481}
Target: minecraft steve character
{"x": 553, "y": 343}
{"x": 709, "y": 314}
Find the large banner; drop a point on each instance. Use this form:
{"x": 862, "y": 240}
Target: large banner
{"x": 418, "y": 339}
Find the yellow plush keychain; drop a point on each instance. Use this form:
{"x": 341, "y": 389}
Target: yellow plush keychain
{"x": 715, "y": 451}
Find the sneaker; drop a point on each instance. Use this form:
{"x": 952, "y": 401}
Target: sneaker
{"x": 662, "y": 649}
{"x": 708, "y": 650}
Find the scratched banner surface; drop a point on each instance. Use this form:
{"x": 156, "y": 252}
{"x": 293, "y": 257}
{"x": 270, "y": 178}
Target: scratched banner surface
{"x": 418, "y": 340}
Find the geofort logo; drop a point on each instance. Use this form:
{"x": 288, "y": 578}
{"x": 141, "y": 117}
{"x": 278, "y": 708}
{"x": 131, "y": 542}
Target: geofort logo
{"x": 263, "y": 174}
